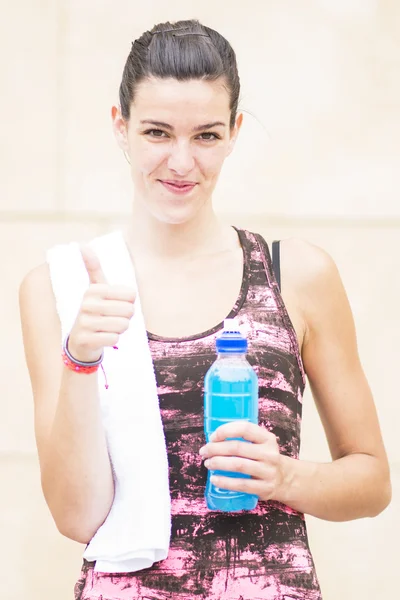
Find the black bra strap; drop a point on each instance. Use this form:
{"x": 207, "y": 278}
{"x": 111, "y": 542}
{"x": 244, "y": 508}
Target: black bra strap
{"x": 276, "y": 262}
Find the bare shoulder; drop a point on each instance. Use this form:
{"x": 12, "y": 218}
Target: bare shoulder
{"x": 41, "y": 330}
{"x": 36, "y": 301}
{"x": 307, "y": 264}
{"x": 312, "y": 284}
{"x": 36, "y": 279}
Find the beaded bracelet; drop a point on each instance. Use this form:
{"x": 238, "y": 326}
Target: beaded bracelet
{"x": 70, "y": 364}
{"x": 83, "y": 367}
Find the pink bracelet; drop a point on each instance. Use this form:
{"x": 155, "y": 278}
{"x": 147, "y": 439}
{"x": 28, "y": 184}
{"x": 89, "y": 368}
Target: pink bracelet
{"x": 73, "y": 366}
{"x": 78, "y": 366}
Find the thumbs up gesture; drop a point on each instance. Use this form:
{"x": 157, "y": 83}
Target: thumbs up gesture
{"x": 104, "y": 314}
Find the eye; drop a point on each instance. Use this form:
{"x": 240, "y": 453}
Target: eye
{"x": 155, "y": 133}
{"x": 208, "y": 136}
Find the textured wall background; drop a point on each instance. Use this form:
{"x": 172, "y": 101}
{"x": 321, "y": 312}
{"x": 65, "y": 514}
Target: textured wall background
{"x": 319, "y": 158}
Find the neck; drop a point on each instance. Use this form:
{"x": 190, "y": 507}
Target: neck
{"x": 204, "y": 234}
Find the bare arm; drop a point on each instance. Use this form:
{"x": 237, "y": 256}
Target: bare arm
{"x": 75, "y": 468}
{"x": 356, "y": 483}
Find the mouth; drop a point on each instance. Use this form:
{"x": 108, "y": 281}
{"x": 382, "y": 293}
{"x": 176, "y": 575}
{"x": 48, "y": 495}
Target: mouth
{"x": 178, "y": 187}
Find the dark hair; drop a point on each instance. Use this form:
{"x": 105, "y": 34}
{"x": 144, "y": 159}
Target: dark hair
{"x": 183, "y": 50}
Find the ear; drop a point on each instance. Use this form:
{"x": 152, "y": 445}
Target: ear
{"x": 120, "y": 128}
{"x": 235, "y": 132}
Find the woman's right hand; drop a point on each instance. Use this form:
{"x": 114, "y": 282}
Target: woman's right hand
{"x": 105, "y": 313}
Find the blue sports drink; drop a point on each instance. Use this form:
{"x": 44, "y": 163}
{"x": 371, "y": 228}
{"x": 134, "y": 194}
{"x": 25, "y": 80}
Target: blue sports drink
{"x": 230, "y": 394}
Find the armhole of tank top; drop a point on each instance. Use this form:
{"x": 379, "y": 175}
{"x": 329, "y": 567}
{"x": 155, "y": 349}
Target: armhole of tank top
{"x": 276, "y": 262}
{"x": 272, "y": 282}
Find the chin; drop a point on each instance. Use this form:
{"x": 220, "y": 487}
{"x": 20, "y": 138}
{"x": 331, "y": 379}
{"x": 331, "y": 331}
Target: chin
{"x": 177, "y": 213}
{"x": 175, "y": 217}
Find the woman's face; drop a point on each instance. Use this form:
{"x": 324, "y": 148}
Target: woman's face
{"x": 177, "y": 138}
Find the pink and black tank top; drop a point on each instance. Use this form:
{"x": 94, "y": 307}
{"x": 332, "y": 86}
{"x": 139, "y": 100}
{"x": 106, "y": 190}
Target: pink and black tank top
{"x": 257, "y": 555}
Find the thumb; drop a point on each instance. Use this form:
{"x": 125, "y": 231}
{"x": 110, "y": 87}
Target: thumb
{"x": 92, "y": 265}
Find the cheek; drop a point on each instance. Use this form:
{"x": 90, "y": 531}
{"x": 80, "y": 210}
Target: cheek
{"x": 210, "y": 160}
{"x": 148, "y": 157}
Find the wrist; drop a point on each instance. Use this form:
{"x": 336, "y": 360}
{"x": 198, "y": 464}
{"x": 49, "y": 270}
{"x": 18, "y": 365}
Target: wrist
{"x": 285, "y": 488}
{"x": 77, "y": 366}
{"x": 74, "y": 359}
{"x": 83, "y": 359}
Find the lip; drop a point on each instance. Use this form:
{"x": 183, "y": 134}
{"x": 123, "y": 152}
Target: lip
{"x": 178, "y": 187}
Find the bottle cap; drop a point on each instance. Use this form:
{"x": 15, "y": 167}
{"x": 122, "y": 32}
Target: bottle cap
{"x": 231, "y": 339}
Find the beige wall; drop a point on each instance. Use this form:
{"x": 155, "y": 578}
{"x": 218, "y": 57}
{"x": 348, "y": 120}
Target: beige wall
{"x": 320, "y": 160}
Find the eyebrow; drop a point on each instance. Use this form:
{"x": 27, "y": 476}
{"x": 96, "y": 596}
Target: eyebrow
{"x": 170, "y": 128}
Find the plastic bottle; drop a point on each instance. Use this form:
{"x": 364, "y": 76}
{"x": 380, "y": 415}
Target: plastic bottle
{"x": 230, "y": 394}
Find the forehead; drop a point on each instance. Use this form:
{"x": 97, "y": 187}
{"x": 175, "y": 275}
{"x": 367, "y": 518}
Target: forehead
{"x": 172, "y": 100}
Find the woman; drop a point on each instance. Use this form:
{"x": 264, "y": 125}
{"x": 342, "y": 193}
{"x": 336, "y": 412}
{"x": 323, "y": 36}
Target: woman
{"x": 177, "y": 122}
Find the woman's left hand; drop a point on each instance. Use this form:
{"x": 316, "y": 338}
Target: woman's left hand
{"x": 261, "y": 459}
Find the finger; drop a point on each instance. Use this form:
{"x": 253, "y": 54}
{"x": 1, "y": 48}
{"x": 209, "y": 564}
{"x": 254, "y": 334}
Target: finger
{"x": 111, "y": 325}
{"x": 233, "y": 448}
{"x": 249, "y": 486}
{"x": 242, "y": 429}
{"x": 105, "y": 324}
{"x": 234, "y": 464}
{"x": 92, "y": 265}
{"x": 118, "y": 293}
{"x": 110, "y": 308}
{"x": 99, "y": 340}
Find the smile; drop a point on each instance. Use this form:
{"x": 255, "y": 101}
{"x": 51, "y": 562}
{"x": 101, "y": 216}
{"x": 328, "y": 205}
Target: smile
{"x": 178, "y": 187}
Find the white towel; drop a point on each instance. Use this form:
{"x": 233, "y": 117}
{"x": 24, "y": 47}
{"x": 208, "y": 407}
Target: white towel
{"x": 137, "y": 530}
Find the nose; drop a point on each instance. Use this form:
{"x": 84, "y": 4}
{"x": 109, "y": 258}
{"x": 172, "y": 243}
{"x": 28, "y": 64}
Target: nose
{"x": 181, "y": 159}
